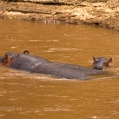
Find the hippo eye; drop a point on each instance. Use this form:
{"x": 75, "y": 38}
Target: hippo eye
{"x": 105, "y": 63}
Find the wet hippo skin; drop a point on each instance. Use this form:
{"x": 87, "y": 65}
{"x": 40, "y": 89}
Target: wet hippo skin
{"x": 36, "y": 64}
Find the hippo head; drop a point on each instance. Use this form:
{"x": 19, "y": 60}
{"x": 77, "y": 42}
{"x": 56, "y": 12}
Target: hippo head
{"x": 8, "y": 57}
{"x": 100, "y": 62}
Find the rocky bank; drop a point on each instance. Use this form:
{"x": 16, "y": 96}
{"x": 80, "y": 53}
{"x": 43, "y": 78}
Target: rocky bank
{"x": 95, "y": 12}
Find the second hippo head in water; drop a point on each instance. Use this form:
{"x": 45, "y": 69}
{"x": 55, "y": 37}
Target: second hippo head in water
{"x": 101, "y": 62}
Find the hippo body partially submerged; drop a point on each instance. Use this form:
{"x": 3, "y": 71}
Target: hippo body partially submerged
{"x": 63, "y": 70}
{"x": 27, "y": 62}
{"x": 35, "y": 64}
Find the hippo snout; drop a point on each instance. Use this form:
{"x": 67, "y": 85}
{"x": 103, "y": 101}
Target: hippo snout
{"x": 98, "y": 67}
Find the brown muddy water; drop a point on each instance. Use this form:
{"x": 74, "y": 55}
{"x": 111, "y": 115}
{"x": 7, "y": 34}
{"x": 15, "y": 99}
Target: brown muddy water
{"x": 37, "y": 96}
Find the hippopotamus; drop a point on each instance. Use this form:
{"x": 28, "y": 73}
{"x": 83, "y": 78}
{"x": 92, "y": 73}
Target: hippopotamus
{"x": 36, "y": 64}
{"x": 101, "y": 62}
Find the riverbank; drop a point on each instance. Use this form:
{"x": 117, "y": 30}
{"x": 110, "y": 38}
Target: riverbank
{"x": 104, "y": 14}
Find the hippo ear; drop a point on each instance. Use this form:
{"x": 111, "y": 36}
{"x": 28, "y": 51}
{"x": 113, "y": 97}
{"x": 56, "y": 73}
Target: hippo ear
{"x": 110, "y": 60}
{"x": 95, "y": 59}
{"x": 26, "y": 52}
{"x": 6, "y": 58}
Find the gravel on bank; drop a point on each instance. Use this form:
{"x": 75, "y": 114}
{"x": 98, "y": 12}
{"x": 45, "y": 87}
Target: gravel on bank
{"x": 104, "y": 14}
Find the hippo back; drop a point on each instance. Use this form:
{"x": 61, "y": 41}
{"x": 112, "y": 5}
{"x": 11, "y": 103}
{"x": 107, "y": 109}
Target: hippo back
{"x": 27, "y": 62}
{"x": 63, "y": 70}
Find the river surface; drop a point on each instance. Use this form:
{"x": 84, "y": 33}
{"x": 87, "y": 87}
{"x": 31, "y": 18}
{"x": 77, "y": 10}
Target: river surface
{"x": 36, "y": 96}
